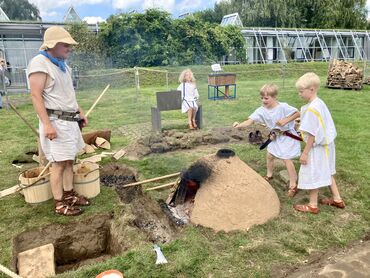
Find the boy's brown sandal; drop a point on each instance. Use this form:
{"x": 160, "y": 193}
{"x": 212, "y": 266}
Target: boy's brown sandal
{"x": 267, "y": 178}
{"x": 62, "y": 208}
{"x": 306, "y": 208}
{"x": 292, "y": 192}
{"x": 72, "y": 198}
{"x": 332, "y": 202}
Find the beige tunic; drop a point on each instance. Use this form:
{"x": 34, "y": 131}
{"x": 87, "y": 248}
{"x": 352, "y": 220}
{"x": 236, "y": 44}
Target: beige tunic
{"x": 58, "y": 94}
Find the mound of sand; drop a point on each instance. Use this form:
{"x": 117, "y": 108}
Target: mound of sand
{"x": 234, "y": 197}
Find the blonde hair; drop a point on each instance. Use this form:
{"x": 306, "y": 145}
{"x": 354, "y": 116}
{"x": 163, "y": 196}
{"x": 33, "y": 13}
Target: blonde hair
{"x": 182, "y": 76}
{"x": 308, "y": 80}
{"x": 269, "y": 90}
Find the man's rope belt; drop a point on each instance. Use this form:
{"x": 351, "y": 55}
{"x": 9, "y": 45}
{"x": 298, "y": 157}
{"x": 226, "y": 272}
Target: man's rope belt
{"x": 66, "y": 116}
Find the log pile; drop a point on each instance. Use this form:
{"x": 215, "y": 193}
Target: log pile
{"x": 344, "y": 75}
{"x": 367, "y": 80}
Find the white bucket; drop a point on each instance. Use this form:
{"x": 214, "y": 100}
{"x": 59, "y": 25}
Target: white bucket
{"x": 86, "y": 179}
{"x": 39, "y": 191}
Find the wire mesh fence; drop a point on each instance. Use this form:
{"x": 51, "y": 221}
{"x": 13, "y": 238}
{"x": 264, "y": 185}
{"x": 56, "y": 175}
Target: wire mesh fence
{"x": 126, "y": 107}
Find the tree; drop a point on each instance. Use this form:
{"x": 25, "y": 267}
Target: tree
{"x": 138, "y": 39}
{"x": 90, "y": 51}
{"x": 347, "y": 14}
{"x": 155, "y": 39}
{"x": 20, "y": 10}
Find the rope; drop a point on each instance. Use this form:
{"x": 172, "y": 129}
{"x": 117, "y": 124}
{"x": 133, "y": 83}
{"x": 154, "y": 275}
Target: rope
{"x": 107, "y": 74}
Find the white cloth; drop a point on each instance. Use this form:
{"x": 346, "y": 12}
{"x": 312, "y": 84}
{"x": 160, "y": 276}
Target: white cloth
{"x": 189, "y": 96}
{"x": 66, "y": 145}
{"x": 59, "y": 93}
{"x": 282, "y": 147}
{"x": 317, "y": 121}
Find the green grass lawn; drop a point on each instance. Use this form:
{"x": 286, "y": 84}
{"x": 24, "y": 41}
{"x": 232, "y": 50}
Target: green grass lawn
{"x": 198, "y": 252}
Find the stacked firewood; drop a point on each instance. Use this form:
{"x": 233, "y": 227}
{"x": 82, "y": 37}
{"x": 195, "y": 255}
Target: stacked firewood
{"x": 367, "y": 80}
{"x": 344, "y": 75}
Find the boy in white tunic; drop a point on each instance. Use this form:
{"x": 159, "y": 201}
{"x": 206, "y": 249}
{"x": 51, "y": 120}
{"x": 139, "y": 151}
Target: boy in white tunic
{"x": 278, "y": 116}
{"x": 54, "y": 100}
{"x": 318, "y": 157}
{"x": 189, "y": 96}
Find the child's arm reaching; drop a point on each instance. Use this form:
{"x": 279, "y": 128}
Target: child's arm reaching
{"x": 307, "y": 148}
{"x": 243, "y": 124}
{"x": 288, "y": 119}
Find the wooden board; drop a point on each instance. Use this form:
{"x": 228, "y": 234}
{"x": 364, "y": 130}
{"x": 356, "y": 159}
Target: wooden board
{"x": 90, "y": 137}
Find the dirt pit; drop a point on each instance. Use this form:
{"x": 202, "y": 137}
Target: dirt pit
{"x": 74, "y": 243}
{"x": 171, "y": 140}
{"x": 139, "y": 222}
{"x": 114, "y": 174}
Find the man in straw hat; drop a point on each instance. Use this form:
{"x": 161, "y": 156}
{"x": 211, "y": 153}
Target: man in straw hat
{"x": 54, "y": 100}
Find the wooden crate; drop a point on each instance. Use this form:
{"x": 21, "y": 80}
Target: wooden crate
{"x": 220, "y": 79}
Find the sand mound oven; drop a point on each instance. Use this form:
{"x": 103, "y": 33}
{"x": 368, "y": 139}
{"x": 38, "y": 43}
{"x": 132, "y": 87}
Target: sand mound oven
{"x": 223, "y": 193}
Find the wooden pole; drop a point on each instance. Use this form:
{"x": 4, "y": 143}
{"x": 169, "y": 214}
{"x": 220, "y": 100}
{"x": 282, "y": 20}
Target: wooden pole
{"x": 97, "y": 100}
{"x": 10, "y": 190}
{"x": 42, "y": 158}
{"x": 45, "y": 168}
{"x": 24, "y": 120}
{"x": 8, "y": 272}
{"x": 161, "y": 186}
{"x": 152, "y": 180}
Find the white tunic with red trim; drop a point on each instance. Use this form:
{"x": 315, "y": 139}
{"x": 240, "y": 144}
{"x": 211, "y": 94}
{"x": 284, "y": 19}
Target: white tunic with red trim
{"x": 317, "y": 121}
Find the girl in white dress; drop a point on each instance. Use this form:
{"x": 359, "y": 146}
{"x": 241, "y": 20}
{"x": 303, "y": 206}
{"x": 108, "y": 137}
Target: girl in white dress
{"x": 189, "y": 96}
{"x": 277, "y": 116}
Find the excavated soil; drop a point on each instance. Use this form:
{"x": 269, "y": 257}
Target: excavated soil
{"x": 113, "y": 174}
{"x": 97, "y": 238}
{"x": 73, "y": 243}
{"x": 171, "y": 140}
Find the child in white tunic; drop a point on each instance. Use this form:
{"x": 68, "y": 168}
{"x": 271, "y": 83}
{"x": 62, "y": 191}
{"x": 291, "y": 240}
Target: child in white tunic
{"x": 277, "y": 116}
{"x": 318, "y": 157}
{"x": 189, "y": 96}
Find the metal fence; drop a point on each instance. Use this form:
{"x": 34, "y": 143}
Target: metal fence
{"x": 266, "y": 45}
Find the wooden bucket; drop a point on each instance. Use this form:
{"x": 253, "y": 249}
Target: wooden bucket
{"x": 39, "y": 191}
{"x": 86, "y": 179}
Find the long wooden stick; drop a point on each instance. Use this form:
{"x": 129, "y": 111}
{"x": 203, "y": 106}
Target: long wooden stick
{"x": 24, "y": 120}
{"x": 10, "y": 190}
{"x": 161, "y": 186}
{"x": 96, "y": 101}
{"x": 153, "y": 179}
{"x": 8, "y": 272}
{"x": 45, "y": 168}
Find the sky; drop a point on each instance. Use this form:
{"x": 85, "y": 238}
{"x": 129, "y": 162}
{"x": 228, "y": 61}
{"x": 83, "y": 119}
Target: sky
{"x": 99, "y": 10}
{"x": 94, "y": 11}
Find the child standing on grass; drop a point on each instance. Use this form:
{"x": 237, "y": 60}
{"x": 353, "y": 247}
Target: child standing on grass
{"x": 189, "y": 96}
{"x": 277, "y": 116}
{"x": 318, "y": 157}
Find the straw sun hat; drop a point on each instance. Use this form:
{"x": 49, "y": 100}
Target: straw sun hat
{"x": 56, "y": 34}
